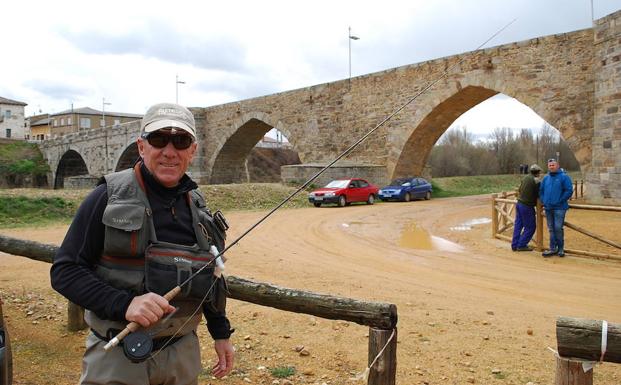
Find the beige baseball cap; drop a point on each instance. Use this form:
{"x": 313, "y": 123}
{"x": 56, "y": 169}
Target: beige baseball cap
{"x": 168, "y": 115}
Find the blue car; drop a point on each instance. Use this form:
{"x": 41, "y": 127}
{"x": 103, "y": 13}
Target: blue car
{"x": 406, "y": 189}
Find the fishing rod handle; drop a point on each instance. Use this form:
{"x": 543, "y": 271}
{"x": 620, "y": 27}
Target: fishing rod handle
{"x": 133, "y": 326}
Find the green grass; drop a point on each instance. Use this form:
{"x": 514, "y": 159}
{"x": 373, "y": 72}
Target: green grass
{"x": 283, "y": 371}
{"x": 21, "y": 211}
{"x": 38, "y": 207}
{"x": 251, "y": 196}
{"x": 457, "y": 186}
{"x": 33, "y": 207}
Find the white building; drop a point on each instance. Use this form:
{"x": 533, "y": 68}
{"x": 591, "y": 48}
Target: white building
{"x": 12, "y": 119}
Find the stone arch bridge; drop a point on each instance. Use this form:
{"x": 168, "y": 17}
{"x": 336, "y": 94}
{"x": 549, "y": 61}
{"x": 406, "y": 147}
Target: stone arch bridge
{"x": 572, "y": 80}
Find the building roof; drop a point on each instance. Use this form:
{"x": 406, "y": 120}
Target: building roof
{"x": 11, "y": 101}
{"x": 92, "y": 111}
{"x": 40, "y": 122}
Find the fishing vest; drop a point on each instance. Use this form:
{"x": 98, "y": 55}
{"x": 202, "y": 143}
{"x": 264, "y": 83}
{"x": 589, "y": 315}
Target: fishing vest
{"x": 133, "y": 259}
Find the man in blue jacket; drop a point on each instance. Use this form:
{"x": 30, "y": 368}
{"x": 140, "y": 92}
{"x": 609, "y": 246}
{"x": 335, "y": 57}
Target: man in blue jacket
{"x": 554, "y": 191}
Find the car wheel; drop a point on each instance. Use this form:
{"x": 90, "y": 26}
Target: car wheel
{"x": 407, "y": 197}
{"x": 428, "y": 195}
{"x": 371, "y": 199}
{"x": 6, "y": 358}
{"x": 342, "y": 201}
{"x": 317, "y": 204}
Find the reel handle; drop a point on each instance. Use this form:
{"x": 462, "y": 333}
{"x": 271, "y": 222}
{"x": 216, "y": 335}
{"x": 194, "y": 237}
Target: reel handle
{"x": 133, "y": 326}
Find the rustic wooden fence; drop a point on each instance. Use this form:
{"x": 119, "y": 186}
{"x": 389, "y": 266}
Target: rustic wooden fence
{"x": 380, "y": 317}
{"x": 503, "y": 214}
{"x": 581, "y": 343}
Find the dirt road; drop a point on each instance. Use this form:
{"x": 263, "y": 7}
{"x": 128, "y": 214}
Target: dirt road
{"x": 470, "y": 310}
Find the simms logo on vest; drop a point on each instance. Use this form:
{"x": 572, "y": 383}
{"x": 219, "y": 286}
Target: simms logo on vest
{"x": 121, "y": 220}
{"x": 181, "y": 260}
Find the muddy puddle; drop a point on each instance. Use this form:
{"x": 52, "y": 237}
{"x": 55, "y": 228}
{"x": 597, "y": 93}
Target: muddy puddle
{"x": 415, "y": 237}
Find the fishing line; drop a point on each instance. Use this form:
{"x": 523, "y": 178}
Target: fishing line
{"x": 218, "y": 258}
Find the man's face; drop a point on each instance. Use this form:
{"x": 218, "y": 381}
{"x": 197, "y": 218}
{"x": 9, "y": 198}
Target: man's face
{"x": 167, "y": 164}
{"x": 553, "y": 166}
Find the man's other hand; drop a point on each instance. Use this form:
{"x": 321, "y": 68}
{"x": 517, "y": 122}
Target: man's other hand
{"x": 226, "y": 357}
{"x": 147, "y": 309}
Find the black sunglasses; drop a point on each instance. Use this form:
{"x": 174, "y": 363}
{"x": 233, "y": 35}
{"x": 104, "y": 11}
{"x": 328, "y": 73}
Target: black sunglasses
{"x": 160, "y": 140}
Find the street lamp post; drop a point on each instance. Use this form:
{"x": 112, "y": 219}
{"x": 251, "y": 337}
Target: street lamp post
{"x": 349, "y": 39}
{"x": 103, "y": 125}
{"x": 177, "y": 82}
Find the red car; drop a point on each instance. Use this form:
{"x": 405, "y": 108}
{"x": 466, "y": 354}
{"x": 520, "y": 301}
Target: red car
{"x": 343, "y": 192}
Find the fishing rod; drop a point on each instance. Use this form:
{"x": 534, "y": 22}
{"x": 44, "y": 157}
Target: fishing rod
{"x": 133, "y": 326}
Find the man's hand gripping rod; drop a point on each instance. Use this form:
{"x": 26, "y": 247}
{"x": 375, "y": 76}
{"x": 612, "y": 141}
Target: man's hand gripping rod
{"x": 133, "y": 326}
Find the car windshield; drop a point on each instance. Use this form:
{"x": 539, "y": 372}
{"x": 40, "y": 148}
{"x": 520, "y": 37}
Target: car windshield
{"x": 338, "y": 184}
{"x": 400, "y": 182}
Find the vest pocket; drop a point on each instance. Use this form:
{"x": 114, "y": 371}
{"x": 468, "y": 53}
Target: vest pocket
{"x": 126, "y": 234}
{"x": 171, "y": 265}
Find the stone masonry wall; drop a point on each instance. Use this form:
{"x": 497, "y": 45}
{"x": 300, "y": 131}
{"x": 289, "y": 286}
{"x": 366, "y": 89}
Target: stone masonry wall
{"x": 604, "y": 180}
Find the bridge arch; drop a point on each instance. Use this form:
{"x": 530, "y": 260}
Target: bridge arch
{"x": 416, "y": 150}
{"x": 128, "y": 157}
{"x": 70, "y": 164}
{"x": 229, "y": 160}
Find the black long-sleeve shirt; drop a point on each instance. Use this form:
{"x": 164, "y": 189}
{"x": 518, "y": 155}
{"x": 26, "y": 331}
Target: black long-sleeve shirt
{"x": 72, "y": 272}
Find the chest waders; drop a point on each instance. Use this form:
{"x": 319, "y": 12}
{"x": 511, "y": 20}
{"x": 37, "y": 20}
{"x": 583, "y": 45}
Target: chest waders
{"x": 133, "y": 259}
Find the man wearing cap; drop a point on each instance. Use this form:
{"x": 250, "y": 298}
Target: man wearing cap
{"x": 525, "y": 224}
{"x": 555, "y": 190}
{"x": 112, "y": 262}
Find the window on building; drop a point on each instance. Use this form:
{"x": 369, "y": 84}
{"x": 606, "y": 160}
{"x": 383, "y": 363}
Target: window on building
{"x": 55, "y": 123}
{"x": 8, "y": 132}
{"x": 7, "y": 113}
{"x": 117, "y": 122}
{"x": 85, "y": 123}
{"x": 62, "y": 121}
{"x": 102, "y": 123}
{"x": 69, "y": 121}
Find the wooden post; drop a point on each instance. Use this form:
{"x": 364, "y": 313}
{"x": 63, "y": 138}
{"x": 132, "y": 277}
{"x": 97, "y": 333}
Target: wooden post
{"x": 503, "y": 220}
{"x": 494, "y": 216}
{"x": 570, "y": 372}
{"x": 539, "y": 229}
{"x": 576, "y": 189}
{"x": 384, "y": 371}
{"x": 75, "y": 317}
{"x": 582, "y": 338}
{"x": 581, "y": 188}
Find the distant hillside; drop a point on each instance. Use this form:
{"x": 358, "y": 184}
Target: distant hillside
{"x": 264, "y": 163}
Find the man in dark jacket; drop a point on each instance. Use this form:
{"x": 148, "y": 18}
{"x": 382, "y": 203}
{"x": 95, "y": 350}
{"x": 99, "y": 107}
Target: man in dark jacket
{"x": 525, "y": 224}
{"x": 554, "y": 191}
{"x": 131, "y": 240}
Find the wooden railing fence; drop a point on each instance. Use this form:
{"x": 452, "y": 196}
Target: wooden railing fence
{"x": 380, "y": 317}
{"x": 503, "y": 214}
{"x": 580, "y": 340}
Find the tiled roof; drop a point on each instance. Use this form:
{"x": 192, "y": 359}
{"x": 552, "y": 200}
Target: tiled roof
{"x": 11, "y": 101}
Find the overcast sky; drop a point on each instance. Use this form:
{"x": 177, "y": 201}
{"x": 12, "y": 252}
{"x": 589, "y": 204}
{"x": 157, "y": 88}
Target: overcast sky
{"x": 55, "y": 53}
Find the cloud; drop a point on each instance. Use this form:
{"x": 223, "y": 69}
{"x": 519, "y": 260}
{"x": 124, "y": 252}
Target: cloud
{"x": 161, "y": 41}
{"x": 61, "y": 90}
{"x": 239, "y": 86}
